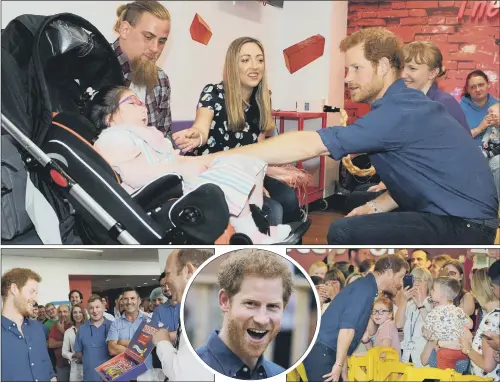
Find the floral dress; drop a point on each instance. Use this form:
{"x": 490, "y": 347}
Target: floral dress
{"x": 490, "y": 322}
{"x": 220, "y": 138}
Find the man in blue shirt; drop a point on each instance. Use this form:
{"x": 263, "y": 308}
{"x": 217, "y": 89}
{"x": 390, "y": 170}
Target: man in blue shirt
{"x": 435, "y": 176}
{"x": 345, "y": 320}
{"x": 123, "y": 328}
{"x": 255, "y": 288}
{"x": 24, "y": 350}
{"x": 90, "y": 342}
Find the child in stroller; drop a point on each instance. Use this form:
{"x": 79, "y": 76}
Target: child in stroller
{"x": 140, "y": 153}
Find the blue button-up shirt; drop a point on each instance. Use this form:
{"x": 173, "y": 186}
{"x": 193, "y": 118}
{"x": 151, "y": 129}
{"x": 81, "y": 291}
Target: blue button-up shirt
{"x": 168, "y": 315}
{"x": 219, "y": 357}
{"x": 123, "y": 329}
{"x": 91, "y": 342}
{"x": 25, "y": 356}
{"x": 428, "y": 162}
{"x": 350, "y": 309}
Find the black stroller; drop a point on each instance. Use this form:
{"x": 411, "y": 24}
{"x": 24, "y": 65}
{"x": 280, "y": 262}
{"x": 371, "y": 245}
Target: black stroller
{"x": 47, "y": 64}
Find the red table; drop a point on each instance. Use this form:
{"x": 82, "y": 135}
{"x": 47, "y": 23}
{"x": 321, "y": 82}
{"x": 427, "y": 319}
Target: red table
{"x": 314, "y": 192}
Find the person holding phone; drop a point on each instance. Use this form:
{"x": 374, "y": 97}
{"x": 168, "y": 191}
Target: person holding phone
{"x": 414, "y": 304}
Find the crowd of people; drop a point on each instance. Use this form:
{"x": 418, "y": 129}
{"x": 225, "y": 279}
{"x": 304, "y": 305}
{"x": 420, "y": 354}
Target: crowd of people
{"x": 67, "y": 342}
{"x": 414, "y": 303}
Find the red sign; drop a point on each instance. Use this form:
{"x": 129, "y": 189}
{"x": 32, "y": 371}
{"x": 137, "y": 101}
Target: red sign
{"x": 480, "y": 9}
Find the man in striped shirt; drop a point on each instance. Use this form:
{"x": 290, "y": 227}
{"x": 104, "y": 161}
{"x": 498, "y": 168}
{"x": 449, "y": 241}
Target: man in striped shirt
{"x": 143, "y": 28}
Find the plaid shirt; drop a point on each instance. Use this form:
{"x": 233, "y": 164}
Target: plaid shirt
{"x": 158, "y": 101}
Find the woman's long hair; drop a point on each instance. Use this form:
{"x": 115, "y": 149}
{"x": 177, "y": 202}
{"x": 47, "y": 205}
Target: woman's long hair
{"x": 232, "y": 88}
{"x": 83, "y": 314}
{"x": 458, "y": 265}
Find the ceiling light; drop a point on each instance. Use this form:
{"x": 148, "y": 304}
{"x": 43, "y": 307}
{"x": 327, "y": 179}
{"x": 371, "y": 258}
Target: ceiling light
{"x": 84, "y": 250}
{"x": 145, "y": 283}
{"x": 108, "y": 279}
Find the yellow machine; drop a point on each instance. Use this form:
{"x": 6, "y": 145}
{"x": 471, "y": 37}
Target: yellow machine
{"x": 372, "y": 367}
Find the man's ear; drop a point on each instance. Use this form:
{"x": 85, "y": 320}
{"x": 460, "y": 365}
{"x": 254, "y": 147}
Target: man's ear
{"x": 124, "y": 30}
{"x": 224, "y": 301}
{"x": 14, "y": 289}
{"x": 108, "y": 119}
{"x": 190, "y": 269}
{"x": 384, "y": 66}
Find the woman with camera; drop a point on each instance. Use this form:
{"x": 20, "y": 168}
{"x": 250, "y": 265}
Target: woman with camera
{"x": 413, "y": 306}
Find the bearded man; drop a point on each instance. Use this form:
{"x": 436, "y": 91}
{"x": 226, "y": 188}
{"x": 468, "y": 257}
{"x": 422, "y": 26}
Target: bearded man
{"x": 255, "y": 287}
{"x": 143, "y": 28}
{"x": 436, "y": 178}
{"x": 24, "y": 349}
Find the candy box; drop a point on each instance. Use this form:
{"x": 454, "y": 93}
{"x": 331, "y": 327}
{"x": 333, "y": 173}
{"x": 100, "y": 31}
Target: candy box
{"x": 130, "y": 364}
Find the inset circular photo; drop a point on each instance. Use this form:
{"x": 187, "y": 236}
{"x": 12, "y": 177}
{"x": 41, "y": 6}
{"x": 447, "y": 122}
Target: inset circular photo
{"x": 250, "y": 314}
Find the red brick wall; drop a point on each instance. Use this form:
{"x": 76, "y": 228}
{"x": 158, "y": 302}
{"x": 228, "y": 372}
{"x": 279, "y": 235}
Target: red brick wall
{"x": 466, "y": 44}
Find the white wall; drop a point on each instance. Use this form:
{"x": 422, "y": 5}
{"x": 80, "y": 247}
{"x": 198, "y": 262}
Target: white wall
{"x": 190, "y": 65}
{"x": 55, "y": 272}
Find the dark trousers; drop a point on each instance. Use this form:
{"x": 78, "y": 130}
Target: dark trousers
{"x": 319, "y": 362}
{"x": 286, "y": 196}
{"x": 407, "y": 228}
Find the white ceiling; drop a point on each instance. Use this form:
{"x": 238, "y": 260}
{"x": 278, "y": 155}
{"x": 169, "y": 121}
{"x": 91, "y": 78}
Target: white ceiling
{"x": 109, "y": 254}
{"x": 101, "y": 283}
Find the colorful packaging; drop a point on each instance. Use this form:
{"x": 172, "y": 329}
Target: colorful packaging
{"x": 130, "y": 364}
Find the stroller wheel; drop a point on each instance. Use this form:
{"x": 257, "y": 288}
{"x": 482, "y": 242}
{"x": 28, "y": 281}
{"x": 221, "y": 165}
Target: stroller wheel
{"x": 190, "y": 215}
{"x": 240, "y": 239}
{"x": 201, "y": 213}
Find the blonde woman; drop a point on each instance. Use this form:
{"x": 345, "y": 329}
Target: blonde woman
{"x": 237, "y": 112}
{"x": 77, "y": 318}
{"x": 484, "y": 360}
{"x": 414, "y": 305}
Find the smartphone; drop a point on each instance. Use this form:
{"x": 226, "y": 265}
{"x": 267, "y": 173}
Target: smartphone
{"x": 408, "y": 281}
{"x": 317, "y": 280}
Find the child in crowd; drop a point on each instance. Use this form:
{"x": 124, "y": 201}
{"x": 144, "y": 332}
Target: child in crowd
{"x": 387, "y": 332}
{"x": 445, "y": 322}
{"x": 491, "y": 137}
{"x": 318, "y": 268}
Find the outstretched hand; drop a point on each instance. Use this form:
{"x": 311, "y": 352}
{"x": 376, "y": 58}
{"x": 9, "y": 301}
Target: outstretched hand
{"x": 188, "y": 139}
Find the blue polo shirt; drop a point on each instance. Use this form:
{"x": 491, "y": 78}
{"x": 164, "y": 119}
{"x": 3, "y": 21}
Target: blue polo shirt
{"x": 219, "y": 357}
{"x": 91, "y": 342}
{"x": 123, "y": 329}
{"x": 350, "y": 309}
{"x": 427, "y": 160}
{"x": 168, "y": 315}
{"x": 25, "y": 356}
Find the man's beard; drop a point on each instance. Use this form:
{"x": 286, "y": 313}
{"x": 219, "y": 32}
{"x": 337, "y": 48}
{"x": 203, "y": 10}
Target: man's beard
{"x": 143, "y": 73}
{"x": 240, "y": 343}
{"x": 22, "y": 307}
{"x": 368, "y": 93}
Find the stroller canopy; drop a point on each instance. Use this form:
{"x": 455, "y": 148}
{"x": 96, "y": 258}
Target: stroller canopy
{"x": 47, "y": 64}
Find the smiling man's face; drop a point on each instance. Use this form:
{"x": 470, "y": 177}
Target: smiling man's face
{"x": 253, "y": 316}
